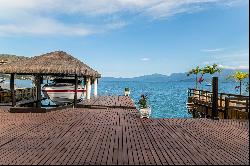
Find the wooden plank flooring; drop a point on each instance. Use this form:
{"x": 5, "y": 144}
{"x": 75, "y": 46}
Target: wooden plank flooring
{"x": 118, "y": 136}
{"x": 109, "y": 102}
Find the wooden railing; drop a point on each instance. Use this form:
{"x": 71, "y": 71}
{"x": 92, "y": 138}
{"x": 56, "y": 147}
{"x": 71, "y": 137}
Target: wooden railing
{"x": 229, "y": 105}
{"x": 21, "y": 94}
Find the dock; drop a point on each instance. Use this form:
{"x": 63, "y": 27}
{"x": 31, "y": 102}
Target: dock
{"x": 108, "y": 130}
{"x": 230, "y": 106}
{"x": 108, "y": 102}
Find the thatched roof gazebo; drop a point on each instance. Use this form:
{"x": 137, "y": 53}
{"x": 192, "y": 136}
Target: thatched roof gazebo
{"x": 7, "y": 58}
{"x": 57, "y": 63}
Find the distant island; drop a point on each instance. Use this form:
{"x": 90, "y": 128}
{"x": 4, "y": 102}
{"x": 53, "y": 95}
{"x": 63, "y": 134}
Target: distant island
{"x": 6, "y": 58}
{"x": 173, "y": 77}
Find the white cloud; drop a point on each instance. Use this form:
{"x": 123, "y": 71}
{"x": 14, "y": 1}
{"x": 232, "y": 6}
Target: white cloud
{"x": 41, "y": 26}
{"x": 230, "y": 60}
{"x": 144, "y": 59}
{"x": 233, "y": 58}
{"x": 234, "y": 67}
{"x": 84, "y": 17}
{"x": 213, "y": 50}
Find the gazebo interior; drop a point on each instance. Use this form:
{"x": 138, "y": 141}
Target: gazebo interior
{"x": 51, "y": 65}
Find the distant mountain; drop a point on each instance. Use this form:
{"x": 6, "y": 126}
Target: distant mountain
{"x": 145, "y": 78}
{"x": 173, "y": 77}
{"x": 152, "y": 78}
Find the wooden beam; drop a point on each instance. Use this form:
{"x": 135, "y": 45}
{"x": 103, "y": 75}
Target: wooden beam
{"x": 215, "y": 99}
{"x": 38, "y": 90}
{"x": 12, "y": 89}
{"x": 76, "y": 87}
{"x": 27, "y": 110}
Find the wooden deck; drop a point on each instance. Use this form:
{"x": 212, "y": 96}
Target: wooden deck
{"x": 119, "y": 136}
{"x": 108, "y": 102}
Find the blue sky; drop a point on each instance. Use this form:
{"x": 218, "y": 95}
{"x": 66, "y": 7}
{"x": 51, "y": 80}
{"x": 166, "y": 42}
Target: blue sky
{"x": 126, "y": 38}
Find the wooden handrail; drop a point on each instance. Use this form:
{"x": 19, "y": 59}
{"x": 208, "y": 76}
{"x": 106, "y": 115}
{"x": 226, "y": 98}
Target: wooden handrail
{"x": 226, "y": 101}
{"x": 226, "y": 94}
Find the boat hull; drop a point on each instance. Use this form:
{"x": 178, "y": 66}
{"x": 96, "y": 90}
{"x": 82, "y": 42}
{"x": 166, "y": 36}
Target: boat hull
{"x": 62, "y": 93}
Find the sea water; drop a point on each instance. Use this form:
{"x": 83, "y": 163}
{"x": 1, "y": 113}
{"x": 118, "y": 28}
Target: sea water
{"x": 166, "y": 99}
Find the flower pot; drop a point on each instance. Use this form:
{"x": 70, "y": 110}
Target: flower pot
{"x": 145, "y": 112}
{"x": 127, "y": 93}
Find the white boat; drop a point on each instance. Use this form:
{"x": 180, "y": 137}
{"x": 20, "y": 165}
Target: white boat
{"x": 208, "y": 84}
{"x": 61, "y": 93}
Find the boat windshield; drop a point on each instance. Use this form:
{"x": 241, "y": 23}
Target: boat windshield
{"x": 72, "y": 81}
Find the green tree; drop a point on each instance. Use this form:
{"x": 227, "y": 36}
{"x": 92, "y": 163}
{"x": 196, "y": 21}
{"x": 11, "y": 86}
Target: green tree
{"x": 239, "y": 77}
{"x": 195, "y": 71}
{"x": 210, "y": 69}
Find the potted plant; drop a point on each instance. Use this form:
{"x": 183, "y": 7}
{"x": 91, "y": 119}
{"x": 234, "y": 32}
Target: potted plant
{"x": 145, "y": 110}
{"x": 127, "y": 91}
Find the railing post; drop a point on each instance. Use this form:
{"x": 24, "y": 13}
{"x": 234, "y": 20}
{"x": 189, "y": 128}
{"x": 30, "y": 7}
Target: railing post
{"x": 215, "y": 99}
{"x": 206, "y": 96}
{"x": 220, "y": 100}
{"x": 199, "y": 95}
{"x": 247, "y": 107}
{"x": 226, "y": 108}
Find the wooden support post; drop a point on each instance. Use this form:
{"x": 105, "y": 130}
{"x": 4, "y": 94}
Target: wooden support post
{"x": 38, "y": 90}
{"x": 199, "y": 95}
{"x": 12, "y": 89}
{"x": 226, "y": 108}
{"x": 76, "y": 87}
{"x": 95, "y": 87}
{"x": 85, "y": 87}
{"x": 215, "y": 99}
{"x": 88, "y": 88}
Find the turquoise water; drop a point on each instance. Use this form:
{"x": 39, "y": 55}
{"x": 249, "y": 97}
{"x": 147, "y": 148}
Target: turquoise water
{"x": 167, "y": 100}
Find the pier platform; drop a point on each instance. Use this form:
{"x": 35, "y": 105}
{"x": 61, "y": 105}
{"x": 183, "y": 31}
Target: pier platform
{"x": 116, "y": 135}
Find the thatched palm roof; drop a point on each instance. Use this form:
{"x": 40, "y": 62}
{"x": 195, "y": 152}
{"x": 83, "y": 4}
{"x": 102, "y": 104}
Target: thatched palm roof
{"x": 57, "y": 62}
{"x": 7, "y": 58}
